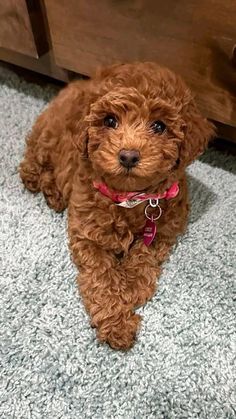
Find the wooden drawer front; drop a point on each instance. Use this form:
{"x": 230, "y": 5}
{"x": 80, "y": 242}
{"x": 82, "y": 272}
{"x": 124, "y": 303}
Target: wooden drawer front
{"x": 194, "y": 38}
{"x": 21, "y": 27}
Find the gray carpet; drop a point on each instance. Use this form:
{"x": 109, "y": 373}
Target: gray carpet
{"x": 51, "y": 366}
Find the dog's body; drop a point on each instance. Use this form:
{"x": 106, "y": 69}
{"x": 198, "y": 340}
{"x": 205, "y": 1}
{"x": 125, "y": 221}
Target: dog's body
{"x": 133, "y": 127}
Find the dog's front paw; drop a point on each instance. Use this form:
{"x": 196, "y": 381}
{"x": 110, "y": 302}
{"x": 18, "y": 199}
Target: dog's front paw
{"x": 119, "y": 334}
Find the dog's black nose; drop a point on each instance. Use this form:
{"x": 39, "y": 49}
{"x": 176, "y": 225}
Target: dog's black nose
{"x": 129, "y": 158}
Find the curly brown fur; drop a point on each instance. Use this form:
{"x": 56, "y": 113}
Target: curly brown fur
{"x": 70, "y": 147}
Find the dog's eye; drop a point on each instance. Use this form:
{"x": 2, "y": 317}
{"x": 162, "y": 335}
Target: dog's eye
{"x": 110, "y": 121}
{"x": 158, "y": 127}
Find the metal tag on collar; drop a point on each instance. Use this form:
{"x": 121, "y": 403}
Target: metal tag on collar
{"x": 130, "y": 203}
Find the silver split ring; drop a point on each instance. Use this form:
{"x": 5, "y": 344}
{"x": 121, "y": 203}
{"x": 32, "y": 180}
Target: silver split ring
{"x": 151, "y": 217}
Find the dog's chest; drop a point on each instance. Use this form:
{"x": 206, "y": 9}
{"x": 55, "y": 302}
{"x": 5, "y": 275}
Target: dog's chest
{"x": 137, "y": 219}
{"x": 122, "y": 219}
{"x": 134, "y": 218}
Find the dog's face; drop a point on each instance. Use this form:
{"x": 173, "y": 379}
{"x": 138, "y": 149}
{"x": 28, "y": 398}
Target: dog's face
{"x": 139, "y": 136}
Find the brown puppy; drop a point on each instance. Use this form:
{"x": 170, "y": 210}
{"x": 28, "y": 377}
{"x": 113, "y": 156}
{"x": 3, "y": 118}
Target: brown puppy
{"x": 133, "y": 128}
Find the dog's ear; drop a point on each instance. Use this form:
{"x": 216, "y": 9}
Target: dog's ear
{"x": 80, "y": 123}
{"x": 197, "y": 134}
{"x": 80, "y": 140}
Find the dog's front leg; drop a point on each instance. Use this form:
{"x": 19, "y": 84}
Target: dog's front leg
{"x": 142, "y": 267}
{"x": 103, "y": 289}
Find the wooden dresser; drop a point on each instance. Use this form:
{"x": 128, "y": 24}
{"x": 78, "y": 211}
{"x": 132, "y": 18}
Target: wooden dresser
{"x": 197, "y": 39}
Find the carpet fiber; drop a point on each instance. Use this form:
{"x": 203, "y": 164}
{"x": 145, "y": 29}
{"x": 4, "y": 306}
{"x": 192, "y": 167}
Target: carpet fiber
{"x": 51, "y": 366}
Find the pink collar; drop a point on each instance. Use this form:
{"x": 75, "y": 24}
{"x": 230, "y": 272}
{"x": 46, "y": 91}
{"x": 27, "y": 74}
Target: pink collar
{"x": 131, "y": 199}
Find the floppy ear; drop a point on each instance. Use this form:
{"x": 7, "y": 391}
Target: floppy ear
{"x": 80, "y": 124}
{"x": 80, "y": 139}
{"x": 197, "y": 134}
